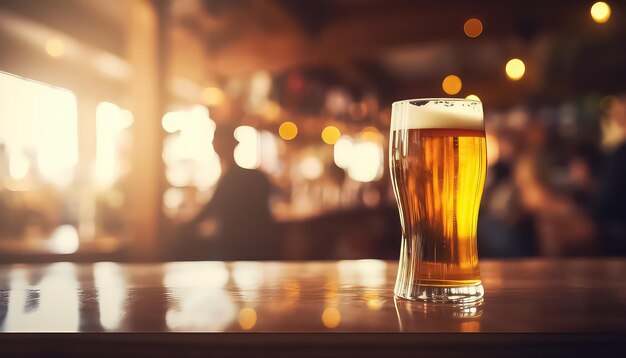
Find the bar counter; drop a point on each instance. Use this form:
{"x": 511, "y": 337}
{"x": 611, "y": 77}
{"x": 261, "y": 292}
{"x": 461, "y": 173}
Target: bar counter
{"x": 531, "y": 295}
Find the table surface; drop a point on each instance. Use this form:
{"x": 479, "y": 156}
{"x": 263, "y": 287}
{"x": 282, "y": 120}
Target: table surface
{"x": 531, "y": 295}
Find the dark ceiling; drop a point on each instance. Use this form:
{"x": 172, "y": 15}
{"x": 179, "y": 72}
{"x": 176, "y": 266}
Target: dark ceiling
{"x": 404, "y": 48}
{"x": 395, "y": 48}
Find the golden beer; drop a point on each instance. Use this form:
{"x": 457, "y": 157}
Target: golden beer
{"x": 438, "y": 176}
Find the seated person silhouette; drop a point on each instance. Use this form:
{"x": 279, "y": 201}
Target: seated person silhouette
{"x": 238, "y": 213}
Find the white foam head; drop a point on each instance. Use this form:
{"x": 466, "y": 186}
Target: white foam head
{"x": 449, "y": 113}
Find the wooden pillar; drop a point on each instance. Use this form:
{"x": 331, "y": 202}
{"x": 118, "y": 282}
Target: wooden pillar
{"x": 146, "y": 53}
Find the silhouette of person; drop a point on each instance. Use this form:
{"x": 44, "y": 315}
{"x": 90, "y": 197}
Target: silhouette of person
{"x": 239, "y": 209}
{"x": 610, "y": 205}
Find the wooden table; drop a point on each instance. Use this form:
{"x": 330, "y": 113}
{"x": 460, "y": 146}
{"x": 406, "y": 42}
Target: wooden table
{"x": 580, "y": 296}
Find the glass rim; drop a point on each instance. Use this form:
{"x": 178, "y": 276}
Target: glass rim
{"x": 456, "y": 99}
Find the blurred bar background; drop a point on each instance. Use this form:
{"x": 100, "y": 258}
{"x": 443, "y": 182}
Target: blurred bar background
{"x": 109, "y": 109}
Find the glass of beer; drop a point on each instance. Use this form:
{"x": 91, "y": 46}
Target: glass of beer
{"x": 437, "y": 159}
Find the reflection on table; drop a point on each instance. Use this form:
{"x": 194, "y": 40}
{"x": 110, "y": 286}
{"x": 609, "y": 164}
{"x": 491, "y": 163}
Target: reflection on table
{"x": 357, "y": 296}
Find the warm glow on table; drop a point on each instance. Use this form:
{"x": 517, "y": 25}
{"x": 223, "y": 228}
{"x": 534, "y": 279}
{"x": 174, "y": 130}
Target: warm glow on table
{"x": 349, "y": 296}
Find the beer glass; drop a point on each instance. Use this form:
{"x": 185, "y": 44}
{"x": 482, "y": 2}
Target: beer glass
{"x": 437, "y": 159}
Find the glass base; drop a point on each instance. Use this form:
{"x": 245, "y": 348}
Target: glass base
{"x": 454, "y": 295}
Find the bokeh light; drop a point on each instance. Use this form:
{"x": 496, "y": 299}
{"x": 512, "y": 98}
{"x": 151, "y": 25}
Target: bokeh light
{"x": 64, "y": 240}
{"x": 260, "y": 87}
{"x": 247, "y": 152}
{"x": 452, "y": 84}
{"x": 247, "y": 318}
{"x": 311, "y": 167}
{"x": 371, "y": 134}
{"x": 342, "y": 152}
{"x": 288, "y": 130}
{"x": 330, "y": 135}
{"x": 600, "y": 12}
{"x": 188, "y": 153}
{"x": 173, "y": 198}
{"x": 473, "y": 28}
{"x": 268, "y": 155}
{"x": 271, "y": 111}
{"x": 19, "y": 165}
{"x": 493, "y": 149}
{"x": 55, "y": 47}
{"x": 515, "y": 69}
{"x": 473, "y": 97}
{"x": 171, "y": 121}
{"x": 212, "y": 96}
{"x": 39, "y": 130}
{"x": 366, "y": 164}
{"x": 111, "y": 123}
{"x": 331, "y": 317}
